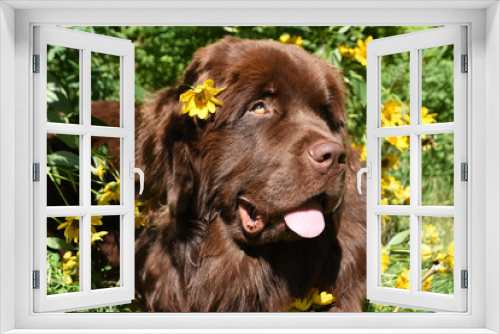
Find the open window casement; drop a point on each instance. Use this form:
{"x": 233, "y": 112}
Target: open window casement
{"x": 412, "y": 133}
{"x": 81, "y": 213}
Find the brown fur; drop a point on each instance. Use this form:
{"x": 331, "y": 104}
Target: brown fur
{"x": 194, "y": 254}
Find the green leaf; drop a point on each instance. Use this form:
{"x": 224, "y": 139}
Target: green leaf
{"x": 55, "y": 117}
{"x": 142, "y": 93}
{"x": 63, "y": 159}
{"x": 97, "y": 121}
{"x": 71, "y": 140}
{"x": 344, "y": 29}
{"x": 101, "y": 151}
{"x": 359, "y": 89}
{"x": 399, "y": 238}
{"x": 58, "y": 243}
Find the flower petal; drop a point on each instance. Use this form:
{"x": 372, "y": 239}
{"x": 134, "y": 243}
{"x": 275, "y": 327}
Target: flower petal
{"x": 217, "y": 102}
{"x": 203, "y": 113}
{"x": 215, "y": 91}
{"x": 211, "y": 107}
{"x": 186, "y": 96}
{"x": 209, "y": 83}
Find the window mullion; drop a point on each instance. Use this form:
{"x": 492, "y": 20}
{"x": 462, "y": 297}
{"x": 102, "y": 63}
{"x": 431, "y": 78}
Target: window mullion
{"x": 414, "y": 171}
{"x": 85, "y": 97}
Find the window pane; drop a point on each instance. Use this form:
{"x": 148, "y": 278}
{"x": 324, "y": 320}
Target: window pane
{"x": 437, "y": 254}
{"x": 63, "y": 169}
{"x": 437, "y": 84}
{"x": 105, "y": 171}
{"x": 105, "y": 89}
{"x": 438, "y": 169}
{"x": 63, "y": 257}
{"x": 105, "y": 246}
{"x": 395, "y": 257}
{"x": 63, "y": 85}
{"x": 395, "y": 171}
{"x": 395, "y": 94}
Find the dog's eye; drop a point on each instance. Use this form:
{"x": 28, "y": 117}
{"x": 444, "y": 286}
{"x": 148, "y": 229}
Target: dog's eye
{"x": 259, "y": 108}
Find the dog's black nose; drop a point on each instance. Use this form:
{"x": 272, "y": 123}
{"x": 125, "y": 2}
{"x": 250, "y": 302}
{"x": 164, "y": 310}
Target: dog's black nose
{"x": 326, "y": 155}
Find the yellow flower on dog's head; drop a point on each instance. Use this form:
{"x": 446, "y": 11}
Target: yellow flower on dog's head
{"x": 200, "y": 100}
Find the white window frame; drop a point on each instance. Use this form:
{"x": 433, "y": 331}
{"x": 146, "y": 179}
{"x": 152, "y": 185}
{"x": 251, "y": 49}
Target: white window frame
{"x": 414, "y": 43}
{"x": 87, "y": 44}
{"x": 17, "y": 20}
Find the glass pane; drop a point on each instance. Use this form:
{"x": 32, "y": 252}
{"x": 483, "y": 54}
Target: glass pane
{"x": 63, "y": 85}
{"x": 437, "y": 84}
{"x": 105, "y": 89}
{"x": 437, "y": 254}
{"x": 395, "y": 94}
{"x": 437, "y": 169}
{"x": 63, "y": 169}
{"x": 105, "y": 252}
{"x": 395, "y": 170}
{"x": 395, "y": 257}
{"x": 63, "y": 257}
{"x": 105, "y": 171}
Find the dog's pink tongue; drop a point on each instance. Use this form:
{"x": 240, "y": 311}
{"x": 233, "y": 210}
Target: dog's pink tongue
{"x": 307, "y": 221}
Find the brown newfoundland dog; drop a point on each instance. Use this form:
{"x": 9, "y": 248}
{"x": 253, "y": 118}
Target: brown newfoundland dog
{"x": 256, "y": 205}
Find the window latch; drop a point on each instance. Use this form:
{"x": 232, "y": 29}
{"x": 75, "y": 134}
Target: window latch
{"x": 133, "y": 170}
{"x": 368, "y": 171}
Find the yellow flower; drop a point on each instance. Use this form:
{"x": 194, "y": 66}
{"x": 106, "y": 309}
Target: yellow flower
{"x": 426, "y": 252}
{"x": 95, "y": 221}
{"x": 450, "y": 255}
{"x": 70, "y": 265}
{"x": 426, "y": 117}
{"x": 300, "y": 304}
{"x": 385, "y": 260}
{"x": 389, "y": 161}
{"x": 362, "y": 148}
{"x": 384, "y": 201}
{"x": 312, "y": 299}
{"x": 392, "y": 187}
{"x": 392, "y": 114}
{"x": 404, "y": 194}
{"x": 139, "y": 221}
{"x": 200, "y": 101}
{"x": 403, "y": 282}
{"x": 426, "y": 285}
{"x": 287, "y": 39}
{"x": 71, "y": 229}
{"x": 401, "y": 143}
{"x": 324, "y": 298}
{"x": 431, "y": 234}
{"x": 100, "y": 170}
{"x": 111, "y": 193}
{"x": 360, "y": 50}
{"x": 346, "y": 52}
{"x": 97, "y": 236}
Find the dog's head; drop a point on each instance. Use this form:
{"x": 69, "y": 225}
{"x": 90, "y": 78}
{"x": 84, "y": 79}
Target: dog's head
{"x": 270, "y": 163}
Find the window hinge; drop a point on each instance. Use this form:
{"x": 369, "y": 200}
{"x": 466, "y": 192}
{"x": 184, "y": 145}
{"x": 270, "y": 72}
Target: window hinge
{"x": 36, "y": 279}
{"x": 36, "y": 63}
{"x": 465, "y": 279}
{"x": 465, "y": 64}
{"x": 36, "y": 172}
{"x": 464, "y": 171}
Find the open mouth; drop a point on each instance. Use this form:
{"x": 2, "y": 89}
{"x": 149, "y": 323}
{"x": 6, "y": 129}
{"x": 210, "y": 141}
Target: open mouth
{"x": 306, "y": 220}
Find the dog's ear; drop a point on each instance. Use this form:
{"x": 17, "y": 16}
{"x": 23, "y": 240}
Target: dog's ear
{"x": 162, "y": 151}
